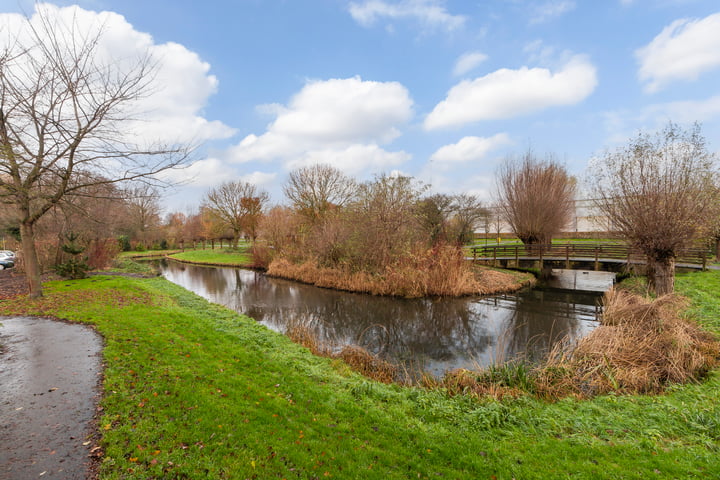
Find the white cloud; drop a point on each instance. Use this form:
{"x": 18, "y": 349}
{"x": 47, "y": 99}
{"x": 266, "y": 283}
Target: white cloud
{"x": 688, "y": 111}
{"x": 469, "y": 149}
{"x": 202, "y": 173}
{"x": 509, "y": 93}
{"x": 210, "y": 172}
{"x": 261, "y": 179}
{"x": 550, "y": 10}
{"x": 178, "y": 91}
{"x": 468, "y": 62}
{"x": 620, "y": 125}
{"x": 682, "y": 51}
{"x": 335, "y": 121}
{"x": 430, "y": 13}
{"x": 352, "y": 160}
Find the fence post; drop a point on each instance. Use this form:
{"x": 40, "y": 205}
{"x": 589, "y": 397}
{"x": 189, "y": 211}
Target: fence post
{"x": 494, "y": 256}
{"x": 704, "y": 260}
{"x": 517, "y": 257}
{"x": 597, "y": 263}
{"x": 567, "y": 256}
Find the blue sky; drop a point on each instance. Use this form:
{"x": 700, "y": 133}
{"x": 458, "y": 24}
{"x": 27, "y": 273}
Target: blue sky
{"x": 439, "y": 90}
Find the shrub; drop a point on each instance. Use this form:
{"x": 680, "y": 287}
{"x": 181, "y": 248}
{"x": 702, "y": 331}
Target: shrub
{"x": 75, "y": 267}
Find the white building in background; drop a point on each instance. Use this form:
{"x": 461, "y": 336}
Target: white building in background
{"x": 586, "y": 219}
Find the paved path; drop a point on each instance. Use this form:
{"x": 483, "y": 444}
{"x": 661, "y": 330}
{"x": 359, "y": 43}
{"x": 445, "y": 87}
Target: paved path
{"x": 49, "y": 379}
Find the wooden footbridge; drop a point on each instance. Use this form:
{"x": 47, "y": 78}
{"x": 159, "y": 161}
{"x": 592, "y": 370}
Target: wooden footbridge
{"x": 589, "y": 256}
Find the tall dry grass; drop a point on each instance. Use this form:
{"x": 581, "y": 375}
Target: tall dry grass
{"x": 439, "y": 271}
{"x": 368, "y": 364}
{"x": 642, "y": 346}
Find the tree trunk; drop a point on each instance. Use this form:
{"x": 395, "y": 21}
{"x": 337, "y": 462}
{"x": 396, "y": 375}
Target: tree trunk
{"x": 30, "y": 259}
{"x": 717, "y": 248}
{"x": 661, "y": 275}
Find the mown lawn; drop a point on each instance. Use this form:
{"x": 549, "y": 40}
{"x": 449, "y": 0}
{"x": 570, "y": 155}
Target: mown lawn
{"x": 195, "y": 391}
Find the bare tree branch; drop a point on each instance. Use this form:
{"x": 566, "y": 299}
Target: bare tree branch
{"x": 63, "y": 108}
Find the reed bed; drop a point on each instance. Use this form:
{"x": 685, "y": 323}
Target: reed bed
{"x": 642, "y": 346}
{"x": 440, "y": 271}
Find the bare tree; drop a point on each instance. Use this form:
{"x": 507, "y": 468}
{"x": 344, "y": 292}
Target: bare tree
{"x": 62, "y": 110}
{"x": 469, "y": 213}
{"x": 238, "y": 205}
{"x": 279, "y": 227}
{"x": 658, "y": 193}
{"x": 315, "y": 190}
{"x": 433, "y": 213}
{"x": 535, "y": 197}
{"x": 451, "y": 218}
{"x": 143, "y": 210}
{"x": 385, "y": 221}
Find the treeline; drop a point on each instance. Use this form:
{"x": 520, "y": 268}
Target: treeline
{"x": 384, "y": 236}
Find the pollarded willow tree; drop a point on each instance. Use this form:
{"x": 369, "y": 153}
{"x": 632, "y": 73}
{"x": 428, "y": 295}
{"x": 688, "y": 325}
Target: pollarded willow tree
{"x": 64, "y": 106}
{"x": 535, "y": 197}
{"x": 658, "y": 191}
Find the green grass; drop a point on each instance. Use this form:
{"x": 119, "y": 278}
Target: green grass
{"x": 195, "y": 391}
{"x": 146, "y": 253}
{"x": 128, "y": 265}
{"x": 233, "y": 257}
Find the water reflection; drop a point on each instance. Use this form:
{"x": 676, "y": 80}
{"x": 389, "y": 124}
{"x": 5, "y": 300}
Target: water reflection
{"x": 429, "y": 334}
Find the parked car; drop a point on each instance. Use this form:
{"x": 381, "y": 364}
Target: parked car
{"x": 7, "y": 259}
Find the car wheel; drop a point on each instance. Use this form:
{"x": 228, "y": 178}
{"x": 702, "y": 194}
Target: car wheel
{"x": 2, "y": 267}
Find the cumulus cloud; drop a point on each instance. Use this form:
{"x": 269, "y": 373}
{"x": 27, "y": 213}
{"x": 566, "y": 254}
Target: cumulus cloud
{"x": 621, "y": 124}
{"x": 682, "y": 51}
{"x": 549, "y": 10}
{"x": 335, "y": 121}
{"x": 469, "y": 149}
{"x": 509, "y": 93}
{"x": 468, "y": 62}
{"x": 202, "y": 173}
{"x": 352, "y": 160}
{"x": 179, "y": 89}
{"x": 430, "y": 13}
{"x": 210, "y": 172}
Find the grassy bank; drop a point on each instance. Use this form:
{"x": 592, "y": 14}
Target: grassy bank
{"x": 195, "y": 391}
{"x": 240, "y": 257}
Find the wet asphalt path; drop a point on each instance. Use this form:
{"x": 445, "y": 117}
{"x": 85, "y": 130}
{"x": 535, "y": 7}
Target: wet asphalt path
{"x": 49, "y": 379}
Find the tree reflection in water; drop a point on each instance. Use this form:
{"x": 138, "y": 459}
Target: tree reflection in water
{"x": 433, "y": 335}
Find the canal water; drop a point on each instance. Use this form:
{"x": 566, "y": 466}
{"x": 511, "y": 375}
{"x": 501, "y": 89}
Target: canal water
{"x": 431, "y": 335}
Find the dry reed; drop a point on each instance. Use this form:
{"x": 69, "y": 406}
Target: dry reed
{"x": 641, "y": 347}
{"x": 368, "y": 364}
{"x": 303, "y": 335}
{"x": 473, "y": 383}
{"x": 440, "y": 271}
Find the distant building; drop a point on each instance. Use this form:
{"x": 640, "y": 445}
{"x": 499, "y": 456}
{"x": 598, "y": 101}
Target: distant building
{"x": 586, "y": 219}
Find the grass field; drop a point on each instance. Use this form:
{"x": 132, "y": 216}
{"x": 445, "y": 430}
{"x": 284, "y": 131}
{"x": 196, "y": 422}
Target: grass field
{"x": 195, "y": 391}
{"x": 239, "y": 257}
